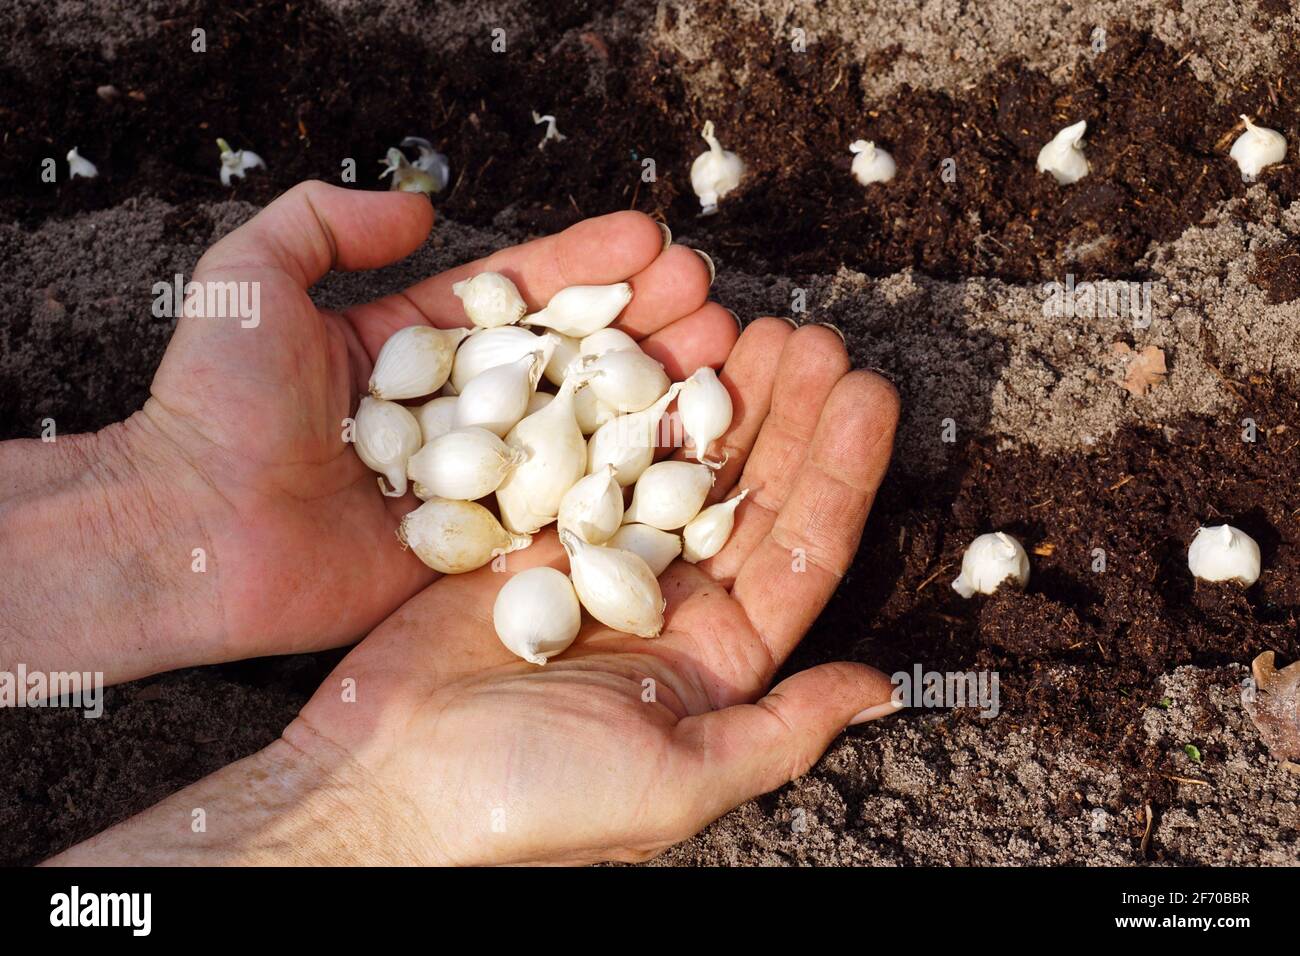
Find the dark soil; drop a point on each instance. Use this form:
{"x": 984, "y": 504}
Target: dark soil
{"x": 1277, "y": 272}
{"x": 297, "y": 86}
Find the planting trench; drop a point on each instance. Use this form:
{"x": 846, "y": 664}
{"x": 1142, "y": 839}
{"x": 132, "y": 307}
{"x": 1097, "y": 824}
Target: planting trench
{"x": 1105, "y": 678}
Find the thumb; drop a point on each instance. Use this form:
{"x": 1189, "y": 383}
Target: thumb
{"x": 751, "y": 749}
{"x": 316, "y": 227}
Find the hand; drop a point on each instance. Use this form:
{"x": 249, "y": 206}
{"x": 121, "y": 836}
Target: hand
{"x": 431, "y": 743}
{"x": 239, "y": 449}
{"x": 577, "y": 761}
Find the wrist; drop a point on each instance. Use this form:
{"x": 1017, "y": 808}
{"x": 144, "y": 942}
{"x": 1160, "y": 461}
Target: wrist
{"x": 101, "y": 552}
{"x": 283, "y": 806}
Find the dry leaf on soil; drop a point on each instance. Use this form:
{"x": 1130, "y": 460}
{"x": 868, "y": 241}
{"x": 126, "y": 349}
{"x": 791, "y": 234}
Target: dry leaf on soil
{"x": 1145, "y": 369}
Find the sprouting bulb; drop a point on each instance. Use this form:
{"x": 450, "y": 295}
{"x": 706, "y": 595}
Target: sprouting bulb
{"x": 430, "y": 161}
{"x": 386, "y": 436}
{"x": 1256, "y": 148}
{"x": 414, "y": 362}
{"x": 870, "y": 163}
{"x": 707, "y": 533}
{"x": 236, "y": 162}
{"x": 714, "y": 173}
{"x": 1224, "y": 553}
{"x": 552, "y": 134}
{"x": 78, "y": 165}
{"x": 989, "y": 560}
{"x": 616, "y": 587}
{"x": 490, "y": 300}
{"x": 1063, "y": 156}
{"x": 536, "y": 614}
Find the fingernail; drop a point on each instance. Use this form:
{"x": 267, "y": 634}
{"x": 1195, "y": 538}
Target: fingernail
{"x": 786, "y": 318}
{"x": 739, "y": 324}
{"x": 668, "y": 233}
{"x": 836, "y": 330}
{"x": 713, "y": 271}
{"x": 890, "y": 706}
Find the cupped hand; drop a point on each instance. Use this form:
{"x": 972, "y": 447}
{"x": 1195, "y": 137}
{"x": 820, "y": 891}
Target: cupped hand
{"x": 299, "y": 543}
{"x": 623, "y": 746}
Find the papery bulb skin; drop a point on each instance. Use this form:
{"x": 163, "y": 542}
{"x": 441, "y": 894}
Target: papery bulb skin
{"x": 990, "y": 560}
{"x": 658, "y": 549}
{"x": 616, "y": 587}
{"x": 436, "y": 417}
{"x": 714, "y": 173}
{"x": 465, "y": 464}
{"x": 593, "y": 508}
{"x": 455, "y": 537}
{"x": 580, "y": 310}
{"x": 386, "y": 436}
{"x": 489, "y": 348}
{"x": 1063, "y": 156}
{"x": 708, "y": 532}
{"x": 1224, "y": 553}
{"x": 555, "y": 457}
{"x": 498, "y": 398}
{"x": 704, "y": 405}
{"x": 1256, "y": 148}
{"x": 537, "y": 615}
{"x": 628, "y": 442}
{"x": 669, "y": 494}
{"x": 626, "y": 380}
{"x": 871, "y": 164}
{"x": 490, "y": 300}
{"x": 414, "y": 362}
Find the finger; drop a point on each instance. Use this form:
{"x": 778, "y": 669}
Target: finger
{"x": 316, "y": 227}
{"x": 788, "y": 576}
{"x": 811, "y": 364}
{"x": 596, "y": 251}
{"x": 705, "y": 337}
{"x": 748, "y": 376}
{"x": 674, "y": 285}
{"x": 750, "y": 749}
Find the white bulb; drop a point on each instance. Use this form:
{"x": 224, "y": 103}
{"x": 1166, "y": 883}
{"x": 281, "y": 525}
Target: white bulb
{"x": 436, "y": 417}
{"x": 490, "y": 300}
{"x": 1063, "y": 156}
{"x": 704, "y": 405}
{"x": 488, "y": 348}
{"x": 464, "y": 464}
{"x": 1224, "y": 553}
{"x": 990, "y": 560}
{"x": 581, "y": 310}
{"x": 386, "y": 436}
{"x": 498, "y": 398}
{"x": 78, "y": 165}
{"x": 714, "y": 173}
{"x": 593, "y": 508}
{"x": 707, "y": 533}
{"x": 414, "y": 362}
{"x": 456, "y": 536}
{"x": 871, "y": 164}
{"x": 616, "y": 587}
{"x": 1256, "y": 148}
{"x": 537, "y": 615}
{"x": 656, "y": 548}
{"x": 669, "y": 494}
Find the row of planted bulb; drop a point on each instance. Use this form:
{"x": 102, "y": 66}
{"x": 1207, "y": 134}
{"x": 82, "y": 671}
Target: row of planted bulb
{"x": 719, "y": 171}
{"x": 1218, "y": 553}
{"x": 493, "y": 435}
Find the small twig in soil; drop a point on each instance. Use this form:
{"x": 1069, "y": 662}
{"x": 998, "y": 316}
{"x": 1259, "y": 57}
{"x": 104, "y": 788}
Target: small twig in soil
{"x": 575, "y": 205}
{"x": 1146, "y": 834}
{"x": 1191, "y": 780}
{"x": 1121, "y": 483}
{"x": 920, "y": 587}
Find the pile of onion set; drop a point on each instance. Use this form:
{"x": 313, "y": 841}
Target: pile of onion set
{"x": 552, "y": 417}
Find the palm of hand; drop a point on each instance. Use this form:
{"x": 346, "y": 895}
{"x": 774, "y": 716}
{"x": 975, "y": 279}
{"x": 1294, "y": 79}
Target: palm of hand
{"x": 301, "y": 540}
{"x": 623, "y": 746}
